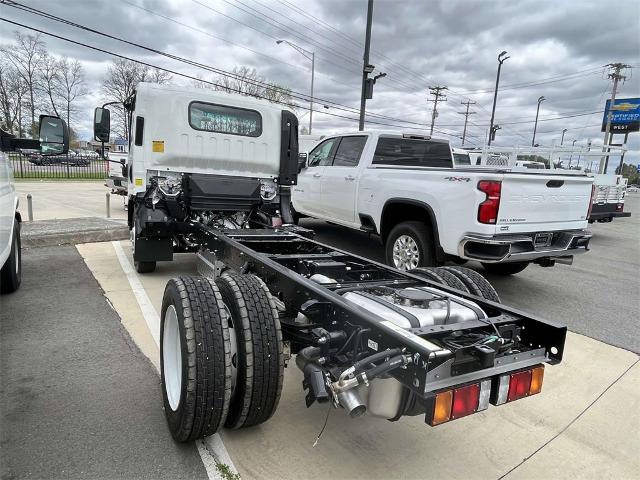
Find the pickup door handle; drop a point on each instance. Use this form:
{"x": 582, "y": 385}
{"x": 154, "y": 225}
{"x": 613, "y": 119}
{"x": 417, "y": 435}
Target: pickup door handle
{"x": 351, "y": 178}
{"x": 317, "y": 175}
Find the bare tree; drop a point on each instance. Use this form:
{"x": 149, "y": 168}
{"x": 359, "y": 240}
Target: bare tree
{"x": 71, "y": 85}
{"x": 51, "y": 82}
{"x": 11, "y": 93}
{"x": 27, "y": 55}
{"x": 122, "y": 78}
{"x": 246, "y": 81}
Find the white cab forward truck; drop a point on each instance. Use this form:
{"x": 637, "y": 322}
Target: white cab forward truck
{"x": 53, "y": 140}
{"x": 427, "y": 209}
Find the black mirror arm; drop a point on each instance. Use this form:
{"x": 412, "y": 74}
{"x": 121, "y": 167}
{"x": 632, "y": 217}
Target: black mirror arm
{"x": 9, "y": 144}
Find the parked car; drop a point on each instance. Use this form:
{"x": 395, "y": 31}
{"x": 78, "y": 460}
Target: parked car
{"x": 54, "y": 138}
{"x": 426, "y": 210}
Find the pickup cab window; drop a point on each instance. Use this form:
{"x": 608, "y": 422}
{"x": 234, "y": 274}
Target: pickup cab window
{"x": 322, "y": 155}
{"x": 408, "y": 152}
{"x": 349, "y": 151}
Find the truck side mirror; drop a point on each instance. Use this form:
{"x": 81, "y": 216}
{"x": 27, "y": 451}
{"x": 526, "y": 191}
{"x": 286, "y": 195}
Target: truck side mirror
{"x": 102, "y": 124}
{"x": 54, "y": 135}
{"x": 302, "y": 161}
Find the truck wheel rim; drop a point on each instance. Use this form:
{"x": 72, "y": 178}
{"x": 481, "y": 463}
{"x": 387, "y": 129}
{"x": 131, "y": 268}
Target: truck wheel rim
{"x": 172, "y": 358}
{"x": 406, "y": 254}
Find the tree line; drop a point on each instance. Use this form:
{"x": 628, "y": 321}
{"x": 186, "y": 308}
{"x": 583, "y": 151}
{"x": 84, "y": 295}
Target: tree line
{"x": 33, "y": 81}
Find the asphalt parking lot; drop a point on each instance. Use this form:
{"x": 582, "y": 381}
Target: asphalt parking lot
{"x": 584, "y": 424}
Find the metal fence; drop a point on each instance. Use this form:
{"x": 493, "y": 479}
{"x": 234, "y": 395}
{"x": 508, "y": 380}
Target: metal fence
{"x": 58, "y": 166}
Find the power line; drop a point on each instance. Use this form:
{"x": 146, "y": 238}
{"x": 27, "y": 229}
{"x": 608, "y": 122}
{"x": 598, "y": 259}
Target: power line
{"x": 191, "y": 77}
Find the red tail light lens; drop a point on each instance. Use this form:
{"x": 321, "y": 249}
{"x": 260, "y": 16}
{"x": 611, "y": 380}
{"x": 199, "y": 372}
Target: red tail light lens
{"x": 465, "y": 401}
{"x": 519, "y": 385}
{"x": 488, "y": 210}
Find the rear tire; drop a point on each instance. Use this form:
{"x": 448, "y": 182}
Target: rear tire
{"x": 410, "y": 245}
{"x": 505, "y": 268}
{"x": 11, "y": 273}
{"x": 476, "y": 283}
{"x": 260, "y": 358}
{"x": 195, "y": 356}
{"x": 437, "y": 274}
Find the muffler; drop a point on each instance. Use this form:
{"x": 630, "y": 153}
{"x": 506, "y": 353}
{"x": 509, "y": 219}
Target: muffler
{"x": 352, "y": 403}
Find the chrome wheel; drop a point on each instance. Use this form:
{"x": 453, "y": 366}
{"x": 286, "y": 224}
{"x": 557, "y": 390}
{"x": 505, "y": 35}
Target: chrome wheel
{"x": 172, "y": 358}
{"x": 406, "y": 254}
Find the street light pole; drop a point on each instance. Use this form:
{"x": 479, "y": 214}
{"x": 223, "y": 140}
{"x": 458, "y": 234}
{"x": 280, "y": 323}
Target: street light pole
{"x": 366, "y": 68}
{"x": 310, "y": 56}
{"x": 501, "y": 60}
{"x": 535, "y": 127}
{"x": 562, "y": 139}
{"x": 573, "y": 144}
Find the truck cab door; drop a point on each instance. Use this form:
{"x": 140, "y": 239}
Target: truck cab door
{"x": 340, "y": 180}
{"x": 306, "y": 194}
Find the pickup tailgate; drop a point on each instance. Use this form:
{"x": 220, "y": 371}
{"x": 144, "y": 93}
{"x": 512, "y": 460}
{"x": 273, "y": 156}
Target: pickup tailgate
{"x": 534, "y": 202}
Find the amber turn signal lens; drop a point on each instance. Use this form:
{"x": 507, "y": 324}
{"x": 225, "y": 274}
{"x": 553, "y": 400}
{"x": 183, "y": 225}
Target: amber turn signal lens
{"x": 442, "y": 408}
{"x": 537, "y": 375}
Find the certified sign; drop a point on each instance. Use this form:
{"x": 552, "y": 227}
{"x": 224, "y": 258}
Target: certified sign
{"x": 625, "y": 115}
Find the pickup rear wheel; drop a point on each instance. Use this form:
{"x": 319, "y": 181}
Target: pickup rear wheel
{"x": 410, "y": 245}
{"x": 195, "y": 356}
{"x": 510, "y": 268}
{"x": 259, "y": 361}
{"x": 11, "y": 273}
{"x": 437, "y": 274}
{"x": 475, "y": 283}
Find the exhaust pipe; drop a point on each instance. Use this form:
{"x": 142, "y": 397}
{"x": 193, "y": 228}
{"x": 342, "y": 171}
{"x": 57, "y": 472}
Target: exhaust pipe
{"x": 351, "y": 402}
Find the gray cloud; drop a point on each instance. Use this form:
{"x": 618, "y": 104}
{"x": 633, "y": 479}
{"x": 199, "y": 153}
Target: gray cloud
{"x": 417, "y": 43}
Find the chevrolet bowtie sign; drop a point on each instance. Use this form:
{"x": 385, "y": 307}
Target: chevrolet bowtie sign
{"x": 625, "y": 115}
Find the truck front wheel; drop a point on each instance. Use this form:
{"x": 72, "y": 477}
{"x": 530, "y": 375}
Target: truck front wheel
{"x": 410, "y": 245}
{"x": 195, "y": 356}
{"x": 510, "y": 268}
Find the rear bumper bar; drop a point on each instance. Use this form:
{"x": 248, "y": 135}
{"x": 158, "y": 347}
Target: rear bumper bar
{"x": 601, "y": 215}
{"x": 520, "y": 248}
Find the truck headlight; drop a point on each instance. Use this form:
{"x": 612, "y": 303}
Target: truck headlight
{"x": 168, "y": 183}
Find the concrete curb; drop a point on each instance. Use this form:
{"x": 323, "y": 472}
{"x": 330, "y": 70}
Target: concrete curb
{"x": 72, "y": 231}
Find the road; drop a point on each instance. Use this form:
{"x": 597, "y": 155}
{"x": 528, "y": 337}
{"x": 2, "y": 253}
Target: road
{"x": 598, "y": 296}
{"x": 78, "y": 399}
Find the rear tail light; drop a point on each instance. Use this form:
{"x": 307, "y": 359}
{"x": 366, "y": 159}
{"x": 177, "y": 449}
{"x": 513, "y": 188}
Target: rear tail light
{"x": 488, "y": 209}
{"x": 593, "y": 199}
{"x": 514, "y": 386}
{"x": 619, "y": 207}
{"x": 459, "y": 402}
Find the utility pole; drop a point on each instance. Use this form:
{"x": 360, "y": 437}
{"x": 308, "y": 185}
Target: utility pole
{"x": 616, "y": 76}
{"x": 492, "y": 131}
{"x": 466, "y": 117}
{"x": 366, "y": 68}
{"x": 438, "y": 97}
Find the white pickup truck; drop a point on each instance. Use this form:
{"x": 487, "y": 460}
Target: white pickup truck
{"x": 406, "y": 189}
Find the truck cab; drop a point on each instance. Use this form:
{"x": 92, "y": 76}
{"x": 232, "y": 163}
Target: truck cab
{"x": 199, "y": 155}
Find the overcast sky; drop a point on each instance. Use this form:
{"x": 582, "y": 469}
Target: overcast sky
{"x": 560, "y": 45}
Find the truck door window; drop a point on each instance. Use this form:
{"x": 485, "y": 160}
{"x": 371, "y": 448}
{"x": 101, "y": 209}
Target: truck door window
{"x": 407, "y": 152}
{"x": 349, "y": 151}
{"x": 322, "y": 155}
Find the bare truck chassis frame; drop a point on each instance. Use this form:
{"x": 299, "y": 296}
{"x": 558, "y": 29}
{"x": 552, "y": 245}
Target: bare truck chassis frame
{"x": 284, "y": 257}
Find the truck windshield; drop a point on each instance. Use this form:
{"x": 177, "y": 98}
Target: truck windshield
{"x": 408, "y": 152}
{"x": 461, "y": 159}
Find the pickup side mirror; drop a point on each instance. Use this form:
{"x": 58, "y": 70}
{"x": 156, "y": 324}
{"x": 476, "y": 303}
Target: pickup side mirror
{"x": 302, "y": 161}
{"x": 54, "y": 135}
{"x": 102, "y": 124}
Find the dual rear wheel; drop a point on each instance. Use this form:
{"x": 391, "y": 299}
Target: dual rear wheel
{"x": 221, "y": 354}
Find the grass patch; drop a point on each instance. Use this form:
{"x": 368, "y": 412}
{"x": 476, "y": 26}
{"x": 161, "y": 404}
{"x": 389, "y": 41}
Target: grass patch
{"x": 226, "y": 472}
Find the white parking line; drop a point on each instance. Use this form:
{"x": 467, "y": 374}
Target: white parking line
{"x": 212, "y": 451}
